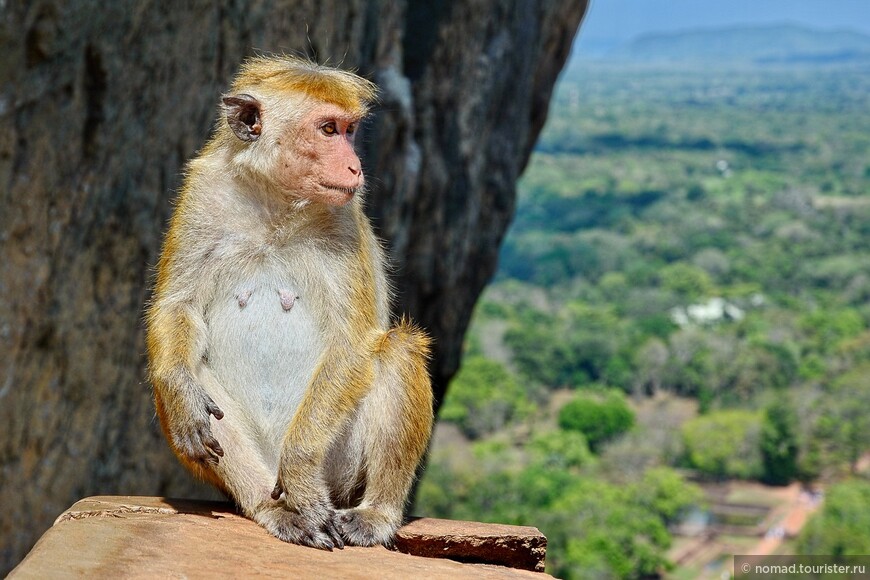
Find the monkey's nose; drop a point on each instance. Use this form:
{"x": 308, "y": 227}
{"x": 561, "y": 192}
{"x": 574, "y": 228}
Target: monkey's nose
{"x": 354, "y": 170}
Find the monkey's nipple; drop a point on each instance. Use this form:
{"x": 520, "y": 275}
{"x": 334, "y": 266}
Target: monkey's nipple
{"x": 243, "y": 297}
{"x": 288, "y": 299}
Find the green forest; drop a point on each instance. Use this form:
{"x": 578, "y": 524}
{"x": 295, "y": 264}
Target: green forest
{"x": 682, "y": 301}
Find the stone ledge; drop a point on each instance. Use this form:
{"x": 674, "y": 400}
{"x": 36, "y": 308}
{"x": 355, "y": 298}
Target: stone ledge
{"x": 146, "y": 537}
{"x": 513, "y": 546}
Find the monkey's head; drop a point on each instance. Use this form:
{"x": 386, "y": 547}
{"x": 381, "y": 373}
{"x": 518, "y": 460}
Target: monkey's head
{"x": 291, "y": 123}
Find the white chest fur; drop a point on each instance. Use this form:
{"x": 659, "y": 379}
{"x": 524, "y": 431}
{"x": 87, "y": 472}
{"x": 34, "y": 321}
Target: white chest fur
{"x": 263, "y": 344}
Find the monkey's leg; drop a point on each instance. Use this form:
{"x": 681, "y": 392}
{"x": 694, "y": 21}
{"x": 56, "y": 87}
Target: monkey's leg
{"x": 392, "y": 429}
{"x": 341, "y": 381}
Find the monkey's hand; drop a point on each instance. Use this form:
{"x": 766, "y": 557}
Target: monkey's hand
{"x": 190, "y": 428}
{"x": 307, "y": 517}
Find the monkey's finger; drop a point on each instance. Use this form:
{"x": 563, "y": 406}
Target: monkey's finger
{"x": 212, "y": 445}
{"x": 320, "y": 541}
{"x": 212, "y": 408}
{"x": 205, "y": 456}
{"x": 209, "y": 457}
{"x": 276, "y": 493}
{"x": 333, "y": 533}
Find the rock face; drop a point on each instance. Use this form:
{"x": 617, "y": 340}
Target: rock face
{"x": 101, "y": 103}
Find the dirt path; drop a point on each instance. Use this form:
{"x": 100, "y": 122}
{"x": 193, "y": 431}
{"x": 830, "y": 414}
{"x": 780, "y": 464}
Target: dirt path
{"x": 705, "y": 554}
{"x": 792, "y": 518}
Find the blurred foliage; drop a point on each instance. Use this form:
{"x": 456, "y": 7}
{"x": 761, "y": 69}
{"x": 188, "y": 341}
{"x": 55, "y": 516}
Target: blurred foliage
{"x": 599, "y": 417}
{"x": 842, "y": 528}
{"x": 842, "y": 426}
{"x": 779, "y": 444}
{"x": 594, "y": 528}
{"x": 681, "y": 233}
{"x": 725, "y": 444}
{"x": 484, "y": 397}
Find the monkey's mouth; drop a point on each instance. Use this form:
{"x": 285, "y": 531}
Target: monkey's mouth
{"x": 350, "y": 191}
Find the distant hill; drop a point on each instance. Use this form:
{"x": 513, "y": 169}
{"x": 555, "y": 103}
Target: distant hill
{"x": 758, "y": 44}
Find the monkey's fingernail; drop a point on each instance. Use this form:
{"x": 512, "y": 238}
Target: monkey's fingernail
{"x": 333, "y": 532}
{"x": 276, "y": 493}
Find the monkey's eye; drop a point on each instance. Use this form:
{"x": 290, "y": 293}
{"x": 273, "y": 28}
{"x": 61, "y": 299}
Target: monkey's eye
{"x": 329, "y": 128}
{"x": 351, "y": 129}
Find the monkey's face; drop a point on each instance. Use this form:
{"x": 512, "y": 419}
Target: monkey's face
{"x": 318, "y": 161}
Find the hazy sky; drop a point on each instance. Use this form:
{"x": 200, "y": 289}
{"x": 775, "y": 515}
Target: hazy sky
{"x": 620, "y": 20}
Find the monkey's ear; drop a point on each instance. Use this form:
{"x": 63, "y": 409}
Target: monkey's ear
{"x": 243, "y": 116}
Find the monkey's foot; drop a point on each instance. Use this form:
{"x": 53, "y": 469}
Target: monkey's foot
{"x": 366, "y": 526}
{"x": 316, "y": 528}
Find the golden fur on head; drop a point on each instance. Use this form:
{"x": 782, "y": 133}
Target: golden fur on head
{"x": 292, "y": 74}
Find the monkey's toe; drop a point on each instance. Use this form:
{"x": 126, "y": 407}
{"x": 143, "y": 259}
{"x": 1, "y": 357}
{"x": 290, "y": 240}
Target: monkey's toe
{"x": 366, "y": 527}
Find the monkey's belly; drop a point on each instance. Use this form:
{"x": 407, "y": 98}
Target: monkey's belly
{"x": 263, "y": 348}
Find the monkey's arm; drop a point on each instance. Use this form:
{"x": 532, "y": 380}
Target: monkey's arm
{"x": 176, "y": 341}
{"x": 341, "y": 380}
{"x": 344, "y": 374}
{"x": 175, "y": 347}
{"x": 339, "y": 383}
